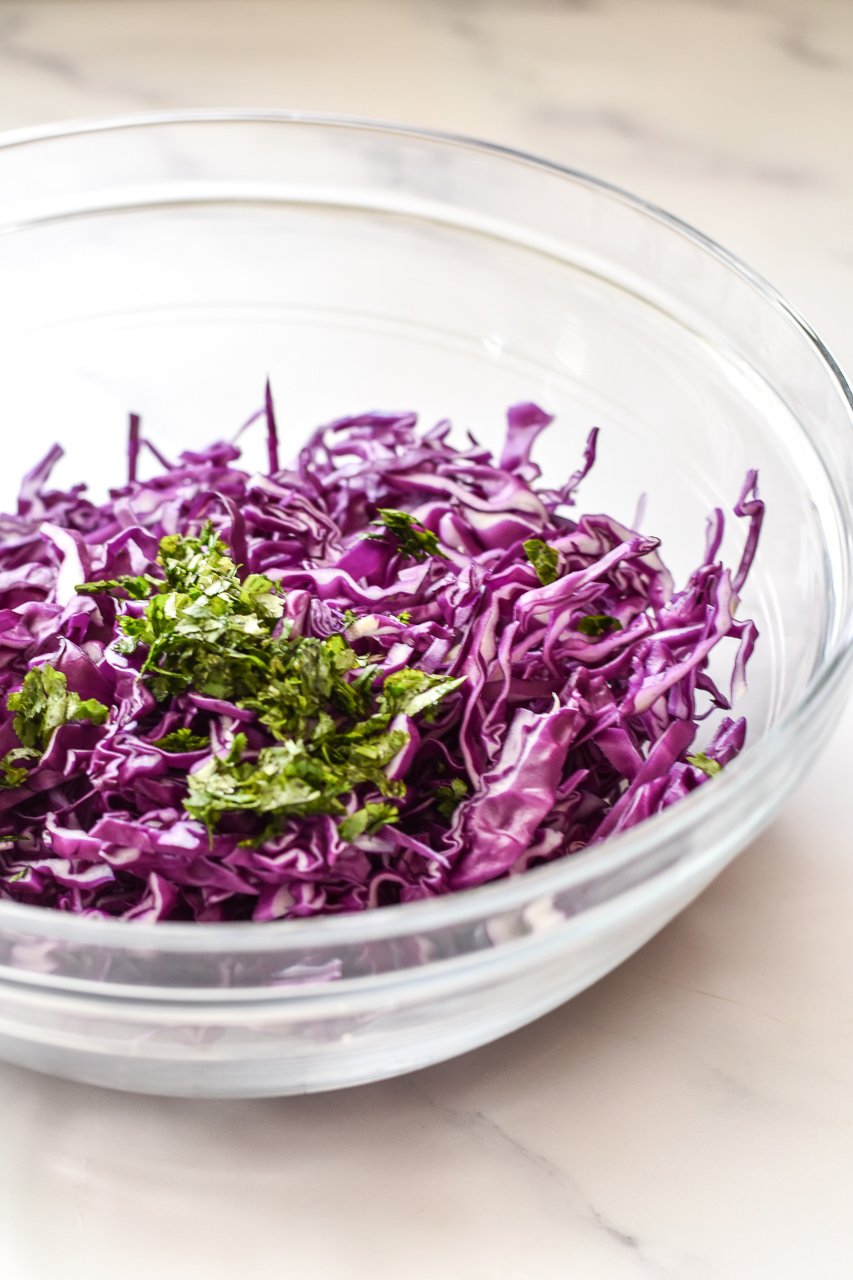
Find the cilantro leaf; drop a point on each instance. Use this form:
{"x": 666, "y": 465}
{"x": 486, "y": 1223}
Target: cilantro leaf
{"x": 321, "y": 702}
{"x": 366, "y": 821}
{"x": 287, "y": 780}
{"x": 13, "y": 774}
{"x": 333, "y": 735}
{"x": 41, "y": 705}
{"x": 544, "y": 558}
{"x": 181, "y": 740}
{"x": 707, "y": 764}
{"x": 44, "y": 703}
{"x": 137, "y": 588}
{"x": 598, "y": 624}
{"x": 203, "y": 629}
{"x": 449, "y": 796}
{"x": 301, "y": 680}
{"x": 411, "y": 692}
{"x": 412, "y": 539}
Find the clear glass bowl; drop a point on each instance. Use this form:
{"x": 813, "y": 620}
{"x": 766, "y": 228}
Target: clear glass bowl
{"x": 167, "y": 265}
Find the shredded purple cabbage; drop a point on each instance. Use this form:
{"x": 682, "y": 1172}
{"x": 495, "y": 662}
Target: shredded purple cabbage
{"x": 582, "y": 673}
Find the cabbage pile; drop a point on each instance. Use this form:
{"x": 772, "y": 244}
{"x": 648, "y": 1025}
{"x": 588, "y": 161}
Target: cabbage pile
{"x": 392, "y": 669}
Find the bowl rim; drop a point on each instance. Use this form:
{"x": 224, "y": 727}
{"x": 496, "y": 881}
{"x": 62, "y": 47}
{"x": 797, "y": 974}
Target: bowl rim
{"x": 462, "y": 905}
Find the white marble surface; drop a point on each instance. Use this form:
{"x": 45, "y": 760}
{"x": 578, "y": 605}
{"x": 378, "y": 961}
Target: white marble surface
{"x": 692, "y": 1115}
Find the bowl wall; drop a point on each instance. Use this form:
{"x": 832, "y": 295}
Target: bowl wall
{"x": 168, "y": 267}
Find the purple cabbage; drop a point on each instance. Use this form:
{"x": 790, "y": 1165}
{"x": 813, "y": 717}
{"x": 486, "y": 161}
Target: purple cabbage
{"x": 583, "y": 690}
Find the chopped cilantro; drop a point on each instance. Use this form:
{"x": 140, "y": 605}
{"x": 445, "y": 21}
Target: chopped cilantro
{"x": 366, "y": 821}
{"x": 290, "y": 780}
{"x": 449, "y": 796}
{"x": 43, "y": 703}
{"x": 137, "y": 588}
{"x": 598, "y": 624}
{"x": 208, "y": 631}
{"x": 203, "y": 629}
{"x": 412, "y": 693}
{"x": 412, "y": 539}
{"x": 182, "y": 740}
{"x": 544, "y": 558}
{"x": 13, "y": 774}
{"x": 297, "y": 680}
{"x": 707, "y": 765}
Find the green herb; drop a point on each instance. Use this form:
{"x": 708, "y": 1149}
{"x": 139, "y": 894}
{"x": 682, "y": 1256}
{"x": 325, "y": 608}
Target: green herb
{"x": 206, "y": 630}
{"x": 544, "y": 559}
{"x": 598, "y": 624}
{"x": 138, "y": 588}
{"x": 449, "y": 796}
{"x": 11, "y": 773}
{"x": 334, "y": 735}
{"x": 41, "y": 705}
{"x": 288, "y": 780}
{"x": 44, "y": 703}
{"x": 410, "y": 692}
{"x": 182, "y": 740}
{"x": 298, "y": 680}
{"x": 412, "y": 539}
{"x": 368, "y": 820}
{"x": 705, "y": 763}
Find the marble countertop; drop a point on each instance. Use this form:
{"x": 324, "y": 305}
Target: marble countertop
{"x": 691, "y": 1116}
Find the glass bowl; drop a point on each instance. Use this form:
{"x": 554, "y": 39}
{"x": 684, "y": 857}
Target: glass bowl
{"x": 167, "y": 265}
